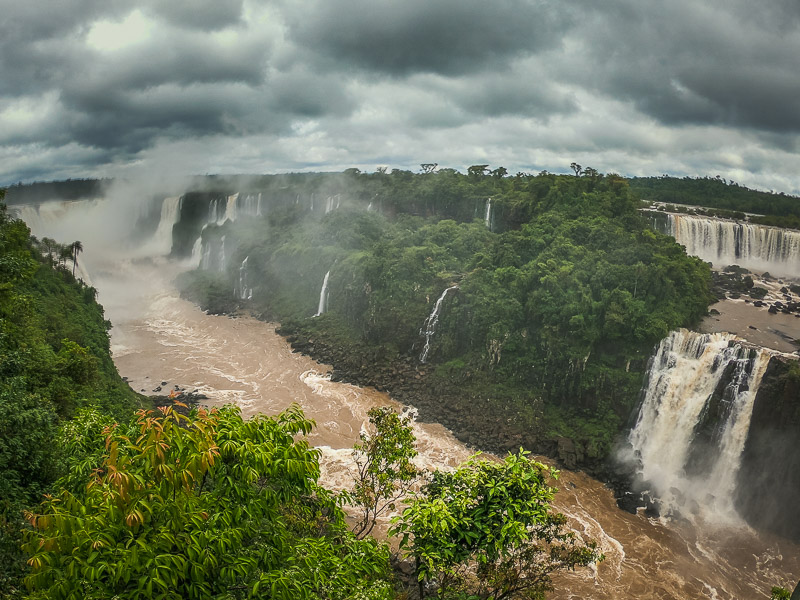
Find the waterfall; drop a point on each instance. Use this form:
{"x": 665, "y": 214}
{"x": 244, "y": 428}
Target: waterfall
{"x": 696, "y": 380}
{"x": 258, "y": 206}
{"x": 328, "y": 204}
{"x": 205, "y": 260}
{"x": 197, "y": 252}
{"x": 429, "y": 327}
{"x": 169, "y": 216}
{"x": 487, "y": 218}
{"x": 724, "y": 242}
{"x": 231, "y": 208}
{"x": 242, "y": 291}
{"x": 213, "y": 210}
{"x": 222, "y": 254}
{"x": 323, "y": 295}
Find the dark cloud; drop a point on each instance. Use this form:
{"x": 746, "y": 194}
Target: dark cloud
{"x": 207, "y": 15}
{"x": 634, "y": 86}
{"x": 447, "y": 36}
{"x": 697, "y": 63}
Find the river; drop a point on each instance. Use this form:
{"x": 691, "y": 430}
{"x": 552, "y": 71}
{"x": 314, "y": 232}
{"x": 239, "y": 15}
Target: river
{"x": 158, "y": 337}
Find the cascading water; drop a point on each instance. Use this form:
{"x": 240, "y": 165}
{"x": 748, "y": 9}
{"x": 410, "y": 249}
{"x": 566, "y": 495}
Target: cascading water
{"x": 170, "y": 211}
{"x": 221, "y": 266}
{"x": 231, "y": 208}
{"x": 689, "y": 373}
{"x": 429, "y": 327}
{"x": 197, "y": 252}
{"x": 487, "y": 218}
{"x": 242, "y": 291}
{"x": 323, "y": 295}
{"x": 724, "y": 242}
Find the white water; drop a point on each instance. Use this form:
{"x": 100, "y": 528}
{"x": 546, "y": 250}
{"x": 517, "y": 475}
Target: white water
{"x": 685, "y": 372}
{"x": 429, "y": 327}
{"x": 487, "y": 217}
{"x": 243, "y": 291}
{"x": 197, "y": 252}
{"x": 221, "y": 266}
{"x": 724, "y": 242}
{"x": 170, "y": 211}
{"x": 323, "y": 295}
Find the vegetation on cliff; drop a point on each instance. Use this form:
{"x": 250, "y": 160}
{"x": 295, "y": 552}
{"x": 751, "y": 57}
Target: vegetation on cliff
{"x": 54, "y": 363}
{"x": 562, "y": 288}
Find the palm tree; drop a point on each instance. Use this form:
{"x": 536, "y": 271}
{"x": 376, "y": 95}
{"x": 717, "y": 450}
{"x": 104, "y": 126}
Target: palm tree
{"x": 76, "y": 248}
{"x": 50, "y": 245}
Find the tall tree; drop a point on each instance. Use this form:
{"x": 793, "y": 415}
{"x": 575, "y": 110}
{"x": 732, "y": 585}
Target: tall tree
{"x": 76, "y": 248}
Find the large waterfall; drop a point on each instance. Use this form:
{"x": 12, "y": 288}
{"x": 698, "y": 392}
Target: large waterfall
{"x": 694, "y": 420}
{"x": 429, "y": 327}
{"x": 170, "y": 211}
{"x": 724, "y": 242}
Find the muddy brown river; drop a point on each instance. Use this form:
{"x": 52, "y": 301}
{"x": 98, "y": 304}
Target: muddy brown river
{"x": 158, "y": 337}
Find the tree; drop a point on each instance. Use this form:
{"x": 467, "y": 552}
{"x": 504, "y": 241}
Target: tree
{"x": 590, "y": 172}
{"x": 575, "y": 167}
{"x": 428, "y": 167}
{"x": 50, "y": 246}
{"x": 385, "y": 471}
{"x": 64, "y": 254}
{"x": 204, "y": 506}
{"x": 499, "y": 172}
{"x": 76, "y": 247}
{"x": 486, "y": 530}
{"x": 477, "y": 170}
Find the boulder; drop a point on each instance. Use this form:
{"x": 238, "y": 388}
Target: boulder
{"x": 569, "y": 453}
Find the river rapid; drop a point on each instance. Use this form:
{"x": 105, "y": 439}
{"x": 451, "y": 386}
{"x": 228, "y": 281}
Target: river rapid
{"x": 159, "y": 339}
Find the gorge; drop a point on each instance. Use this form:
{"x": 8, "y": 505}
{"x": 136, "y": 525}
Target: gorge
{"x": 701, "y": 389}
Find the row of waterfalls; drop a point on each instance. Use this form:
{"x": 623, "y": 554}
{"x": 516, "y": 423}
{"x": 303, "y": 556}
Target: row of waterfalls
{"x": 725, "y": 242}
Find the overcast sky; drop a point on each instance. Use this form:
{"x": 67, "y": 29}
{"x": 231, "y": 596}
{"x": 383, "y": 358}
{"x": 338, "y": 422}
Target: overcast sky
{"x": 639, "y": 87}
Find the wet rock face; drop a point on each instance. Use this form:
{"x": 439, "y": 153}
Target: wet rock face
{"x": 769, "y": 479}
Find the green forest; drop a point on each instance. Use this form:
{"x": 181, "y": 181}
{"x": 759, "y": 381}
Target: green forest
{"x": 558, "y": 294}
{"x": 732, "y": 199}
{"x": 102, "y": 496}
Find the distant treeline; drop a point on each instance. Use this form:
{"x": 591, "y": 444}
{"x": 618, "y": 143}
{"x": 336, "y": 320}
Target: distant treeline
{"x": 781, "y": 210}
{"x": 71, "y": 189}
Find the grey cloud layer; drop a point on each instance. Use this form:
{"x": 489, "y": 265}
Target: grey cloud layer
{"x": 632, "y": 82}
{"x": 452, "y": 37}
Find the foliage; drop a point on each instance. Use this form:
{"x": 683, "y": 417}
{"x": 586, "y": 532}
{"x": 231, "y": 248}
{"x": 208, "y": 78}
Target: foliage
{"x": 385, "y": 468}
{"x": 207, "y": 506}
{"x": 715, "y": 192}
{"x": 779, "y": 593}
{"x": 560, "y": 301}
{"x": 54, "y": 359}
{"x": 487, "y": 530}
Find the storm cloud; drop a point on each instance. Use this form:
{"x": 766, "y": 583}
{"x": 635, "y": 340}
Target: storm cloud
{"x": 101, "y": 88}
